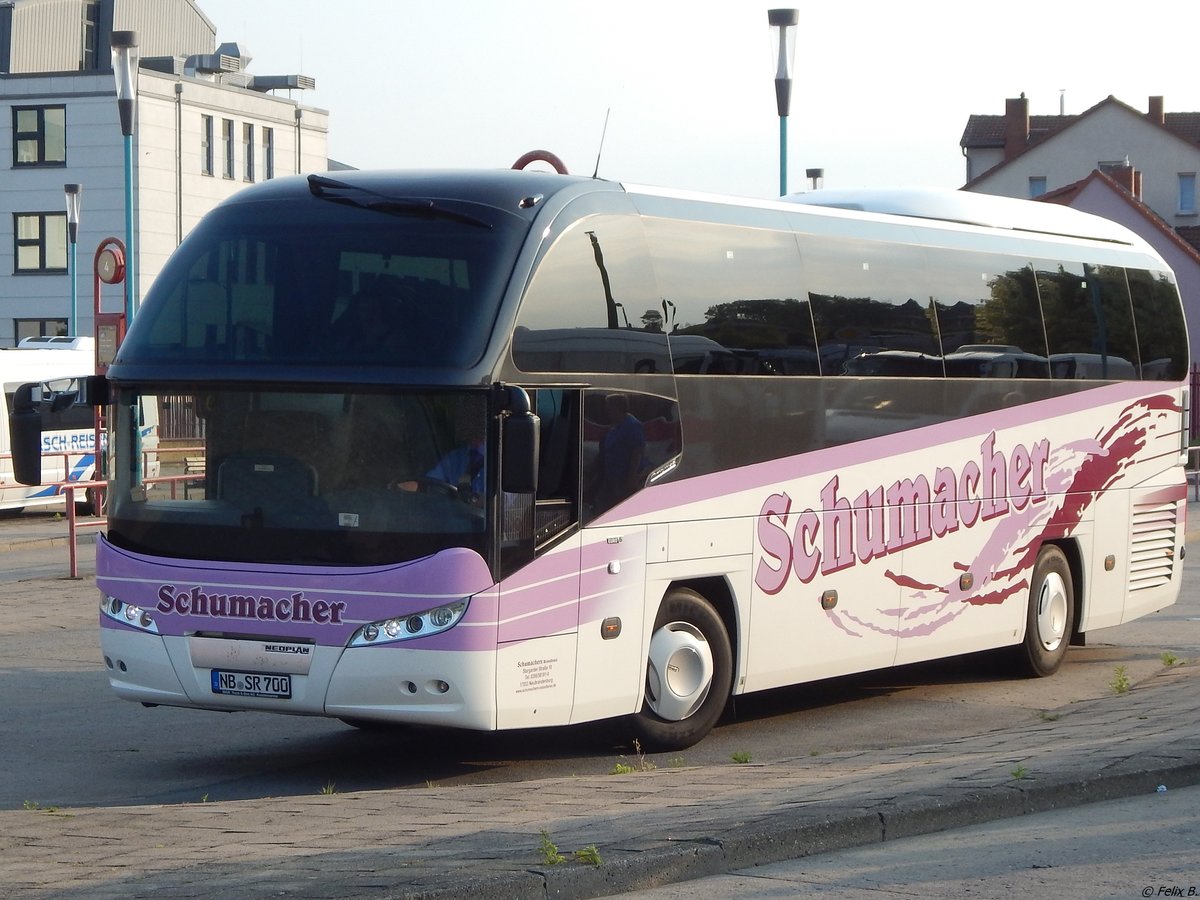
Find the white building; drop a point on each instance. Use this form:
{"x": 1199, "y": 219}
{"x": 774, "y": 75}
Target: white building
{"x": 1022, "y": 155}
{"x": 1136, "y": 168}
{"x": 205, "y": 128}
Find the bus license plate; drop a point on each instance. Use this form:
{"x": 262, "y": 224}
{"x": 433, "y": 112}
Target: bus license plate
{"x": 251, "y": 684}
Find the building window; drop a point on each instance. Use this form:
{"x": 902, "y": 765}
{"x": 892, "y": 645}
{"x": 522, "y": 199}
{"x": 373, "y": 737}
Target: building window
{"x": 1037, "y": 185}
{"x": 268, "y": 135}
{"x": 227, "y": 146}
{"x": 1187, "y": 193}
{"x": 39, "y": 135}
{"x": 25, "y": 328}
{"x": 206, "y": 145}
{"x": 88, "y": 43}
{"x": 248, "y": 151}
{"x": 40, "y": 242}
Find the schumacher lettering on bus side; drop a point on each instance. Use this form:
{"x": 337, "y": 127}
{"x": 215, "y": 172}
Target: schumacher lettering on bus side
{"x": 888, "y": 519}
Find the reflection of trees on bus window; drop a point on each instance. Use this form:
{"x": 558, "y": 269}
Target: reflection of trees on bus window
{"x": 1162, "y": 335}
{"x": 580, "y": 312}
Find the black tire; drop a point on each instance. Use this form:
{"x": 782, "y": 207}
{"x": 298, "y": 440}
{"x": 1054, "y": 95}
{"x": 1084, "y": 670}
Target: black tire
{"x": 1050, "y": 616}
{"x": 93, "y": 503}
{"x": 689, "y": 647}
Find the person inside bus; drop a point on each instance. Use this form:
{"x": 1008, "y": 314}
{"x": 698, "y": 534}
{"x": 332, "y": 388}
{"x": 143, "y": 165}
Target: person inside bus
{"x": 621, "y": 452}
{"x": 464, "y": 467}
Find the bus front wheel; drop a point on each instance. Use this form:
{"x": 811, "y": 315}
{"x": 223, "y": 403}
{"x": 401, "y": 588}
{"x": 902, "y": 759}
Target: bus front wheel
{"x": 1051, "y": 613}
{"x": 688, "y": 674}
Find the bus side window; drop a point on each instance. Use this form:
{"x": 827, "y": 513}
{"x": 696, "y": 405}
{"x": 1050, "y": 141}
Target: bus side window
{"x": 1162, "y": 336}
{"x": 627, "y": 437}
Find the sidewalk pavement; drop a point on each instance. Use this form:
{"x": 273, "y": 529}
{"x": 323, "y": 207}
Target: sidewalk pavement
{"x": 648, "y": 827}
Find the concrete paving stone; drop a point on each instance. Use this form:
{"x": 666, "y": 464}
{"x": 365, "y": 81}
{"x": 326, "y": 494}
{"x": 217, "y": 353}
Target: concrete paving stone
{"x": 651, "y": 827}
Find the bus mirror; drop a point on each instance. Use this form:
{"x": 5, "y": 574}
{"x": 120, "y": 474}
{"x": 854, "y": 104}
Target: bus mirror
{"x": 93, "y": 390}
{"x": 521, "y": 450}
{"x": 25, "y": 434}
{"x": 63, "y": 400}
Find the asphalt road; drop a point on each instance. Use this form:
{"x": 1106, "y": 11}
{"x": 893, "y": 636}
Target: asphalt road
{"x": 70, "y": 742}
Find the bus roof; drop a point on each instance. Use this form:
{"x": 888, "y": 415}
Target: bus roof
{"x": 525, "y": 192}
{"x": 965, "y": 207}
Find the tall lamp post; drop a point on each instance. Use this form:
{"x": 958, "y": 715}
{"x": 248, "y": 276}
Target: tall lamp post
{"x": 125, "y": 71}
{"x": 72, "y": 192}
{"x": 783, "y": 37}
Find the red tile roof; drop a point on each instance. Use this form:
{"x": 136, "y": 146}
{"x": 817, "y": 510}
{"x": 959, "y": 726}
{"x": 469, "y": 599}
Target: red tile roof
{"x": 988, "y": 131}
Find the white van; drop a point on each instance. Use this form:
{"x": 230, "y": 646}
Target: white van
{"x": 69, "y": 436}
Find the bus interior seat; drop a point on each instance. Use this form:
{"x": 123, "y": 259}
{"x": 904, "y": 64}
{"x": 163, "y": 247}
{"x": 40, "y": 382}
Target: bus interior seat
{"x": 251, "y": 480}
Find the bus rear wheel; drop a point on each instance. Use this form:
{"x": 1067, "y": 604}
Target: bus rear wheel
{"x": 1051, "y": 614}
{"x": 688, "y": 674}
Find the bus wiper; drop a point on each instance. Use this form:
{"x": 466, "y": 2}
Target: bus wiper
{"x": 329, "y": 189}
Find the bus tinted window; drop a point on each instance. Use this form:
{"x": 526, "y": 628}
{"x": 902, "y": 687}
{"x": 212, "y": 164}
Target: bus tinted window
{"x": 1161, "y": 332}
{"x": 871, "y": 307}
{"x": 626, "y": 437}
{"x": 305, "y": 281}
{"x": 733, "y": 301}
{"x": 988, "y": 315}
{"x": 1089, "y": 324}
{"x": 593, "y": 306}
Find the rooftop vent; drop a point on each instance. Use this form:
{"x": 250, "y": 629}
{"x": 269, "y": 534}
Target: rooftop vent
{"x": 230, "y": 57}
{"x": 282, "y": 82}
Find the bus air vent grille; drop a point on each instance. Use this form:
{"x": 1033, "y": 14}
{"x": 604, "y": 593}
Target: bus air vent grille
{"x": 1152, "y": 545}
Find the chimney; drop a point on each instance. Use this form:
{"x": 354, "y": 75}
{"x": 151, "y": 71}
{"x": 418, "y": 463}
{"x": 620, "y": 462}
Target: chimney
{"x": 1016, "y": 126}
{"x": 1125, "y": 176}
{"x": 1155, "y": 113}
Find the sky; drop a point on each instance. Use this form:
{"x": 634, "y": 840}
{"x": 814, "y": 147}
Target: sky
{"x": 882, "y": 90}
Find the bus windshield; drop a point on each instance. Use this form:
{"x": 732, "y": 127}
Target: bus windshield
{"x": 340, "y": 478}
{"x": 307, "y": 281}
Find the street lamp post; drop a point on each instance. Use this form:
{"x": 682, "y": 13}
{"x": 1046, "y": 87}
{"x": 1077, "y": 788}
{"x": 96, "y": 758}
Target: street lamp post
{"x": 783, "y": 37}
{"x": 125, "y": 71}
{"x": 72, "y": 192}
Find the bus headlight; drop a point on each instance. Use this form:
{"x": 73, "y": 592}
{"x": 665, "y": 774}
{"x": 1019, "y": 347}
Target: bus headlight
{"x": 127, "y": 614}
{"x": 414, "y": 625}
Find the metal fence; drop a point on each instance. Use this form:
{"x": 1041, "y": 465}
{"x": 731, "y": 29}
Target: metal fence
{"x": 177, "y": 419}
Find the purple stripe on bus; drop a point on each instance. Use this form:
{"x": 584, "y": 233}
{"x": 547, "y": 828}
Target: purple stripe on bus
{"x": 830, "y": 459}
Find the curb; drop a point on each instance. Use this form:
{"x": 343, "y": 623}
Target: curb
{"x": 785, "y": 839}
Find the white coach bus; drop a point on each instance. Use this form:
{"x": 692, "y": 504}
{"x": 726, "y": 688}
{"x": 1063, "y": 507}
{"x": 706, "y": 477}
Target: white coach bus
{"x": 508, "y": 449}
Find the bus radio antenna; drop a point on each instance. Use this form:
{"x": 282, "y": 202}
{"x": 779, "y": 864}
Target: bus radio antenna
{"x": 603, "y": 132}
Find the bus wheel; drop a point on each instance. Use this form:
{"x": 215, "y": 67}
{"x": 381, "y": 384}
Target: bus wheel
{"x": 688, "y": 675}
{"x": 1051, "y": 614}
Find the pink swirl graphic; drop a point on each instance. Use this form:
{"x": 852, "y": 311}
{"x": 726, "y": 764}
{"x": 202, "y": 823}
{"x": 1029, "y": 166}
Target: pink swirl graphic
{"x": 1077, "y": 474}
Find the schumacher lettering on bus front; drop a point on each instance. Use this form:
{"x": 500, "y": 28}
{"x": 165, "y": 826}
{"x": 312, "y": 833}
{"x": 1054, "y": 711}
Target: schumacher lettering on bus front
{"x": 293, "y": 608}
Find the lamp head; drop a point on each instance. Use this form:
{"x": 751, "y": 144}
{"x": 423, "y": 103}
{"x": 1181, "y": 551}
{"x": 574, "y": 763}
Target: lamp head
{"x": 783, "y": 41}
{"x": 72, "y": 194}
{"x": 125, "y": 70}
